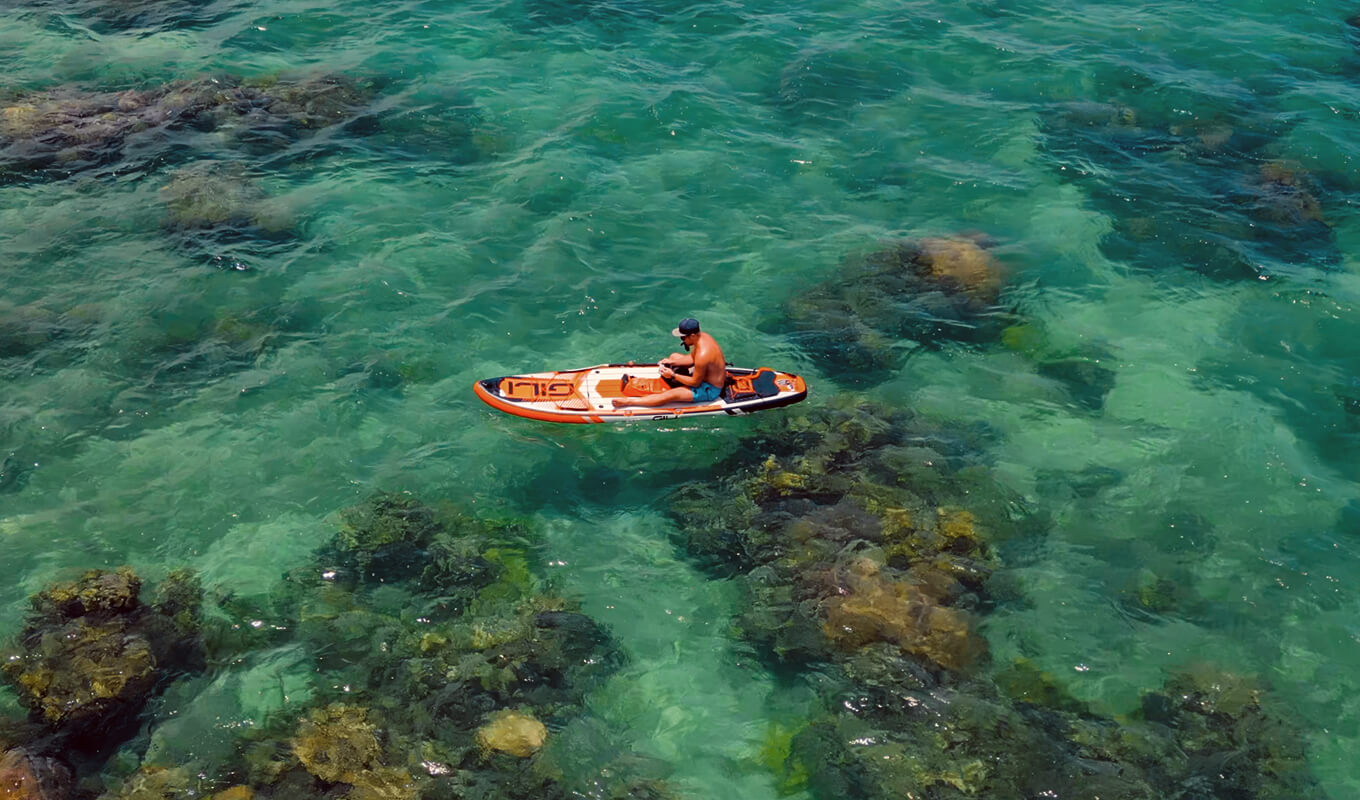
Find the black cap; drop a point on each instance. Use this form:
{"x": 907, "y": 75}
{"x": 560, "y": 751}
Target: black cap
{"x": 687, "y": 326}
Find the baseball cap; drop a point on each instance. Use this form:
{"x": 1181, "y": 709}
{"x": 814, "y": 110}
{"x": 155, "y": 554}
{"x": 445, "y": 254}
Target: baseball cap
{"x": 687, "y": 326}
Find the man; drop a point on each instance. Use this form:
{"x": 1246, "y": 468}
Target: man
{"x": 705, "y": 380}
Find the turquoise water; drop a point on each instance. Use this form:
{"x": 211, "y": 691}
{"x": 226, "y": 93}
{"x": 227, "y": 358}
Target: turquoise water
{"x": 536, "y": 184}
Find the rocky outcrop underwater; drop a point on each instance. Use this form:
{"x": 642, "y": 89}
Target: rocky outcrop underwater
{"x": 868, "y": 544}
{"x": 915, "y": 293}
{"x": 864, "y": 322}
{"x": 441, "y": 667}
{"x": 1194, "y": 181}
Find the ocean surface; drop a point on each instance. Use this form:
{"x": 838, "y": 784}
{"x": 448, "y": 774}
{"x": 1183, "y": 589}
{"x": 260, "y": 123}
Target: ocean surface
{"x": 217, "y": 334}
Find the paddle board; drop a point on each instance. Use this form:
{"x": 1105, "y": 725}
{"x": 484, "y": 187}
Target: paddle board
{"x": 587, "y": 394}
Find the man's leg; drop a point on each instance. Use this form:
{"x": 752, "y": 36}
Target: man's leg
{"x": 680, "y": 394}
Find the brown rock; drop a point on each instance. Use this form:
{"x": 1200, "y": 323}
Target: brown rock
{"x": 965, "y": 262}
{"x": 337, "y": 743}
{"x": 98, "y": 591}
{"x": 514, "y": 733}
{"x": 876, "y": 608}
{"x": 82, "y": 674}
{"x": 28, "y": 777}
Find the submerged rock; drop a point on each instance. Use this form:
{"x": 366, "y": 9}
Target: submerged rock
{"x": 511, "y": 732}
{"x": 26, "y": 329}
{"x": 875, "y": 608}
{"x": 217, "y": 196}
{"x": 85, "y": 675}
{"x": 1199, "y": 191}
{"x": 337, "y": 743}
{"x": 97, "y": 592}
{"x": 869, "y": 571}
{"x": 92, "y": 654}
{"x": 830, "y": 82}
{"x": 387, "y": 519}
{"x": 25, "y": 776}
{"x": 62, "y": 131}
{"x": 153, "y": 782}
{"x": 1086, "y": 379}
{"x": 910, "y": 294}
{"x": 14, "y": 473}
{"x": 1084, "y": 369}
{"x": 384, "y": 538}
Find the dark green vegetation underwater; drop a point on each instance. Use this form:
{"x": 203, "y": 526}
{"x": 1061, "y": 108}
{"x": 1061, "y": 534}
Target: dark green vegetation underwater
{"x": 869, "y": 544}
{"x": 446, "y": 661}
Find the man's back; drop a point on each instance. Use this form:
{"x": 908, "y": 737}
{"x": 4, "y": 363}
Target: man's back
{"x": 709, "y": 364}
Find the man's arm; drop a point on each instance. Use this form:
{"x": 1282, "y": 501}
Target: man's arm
{"x": 678, "y": 360}
{"x": 684, "y": 380}
{"x": 702, "y": 357}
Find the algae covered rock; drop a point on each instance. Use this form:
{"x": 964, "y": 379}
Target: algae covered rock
{"x": 84, "y": 674}
{"x": 57, "y": 132}
{"x": 337, "y": 743}
{"x": 907, "y": 295}
{"x": 152, "y": 782}
{"x": 384, "y": 783}
{"x": 96, "y": 592}
{"x": 514, "y": 733}
{"x": 876, "y": 608}
{"x": 960, "y": 264}
{"x": 92, "y": 653}
{"x": 384, "y": 538}
{"x": 180, "y": 597}
{"x": 220, "y": 196}
{"x": 385, "y": 519}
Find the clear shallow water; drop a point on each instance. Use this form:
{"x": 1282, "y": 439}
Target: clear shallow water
{"x": 556, "y": 183}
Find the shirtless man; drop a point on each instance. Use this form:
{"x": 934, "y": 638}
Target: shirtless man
{"x": 706, "y": 379}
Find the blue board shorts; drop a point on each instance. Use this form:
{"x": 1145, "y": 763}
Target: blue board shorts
{"x": 706, "y": 392}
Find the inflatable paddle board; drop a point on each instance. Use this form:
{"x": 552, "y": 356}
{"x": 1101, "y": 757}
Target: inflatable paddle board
{"x": 588, "y": 394}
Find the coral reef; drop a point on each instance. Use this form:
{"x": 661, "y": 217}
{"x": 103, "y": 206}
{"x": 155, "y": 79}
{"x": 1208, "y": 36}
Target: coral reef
{"x": 907, "y": 295}
{"x": 438, "y": 680}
